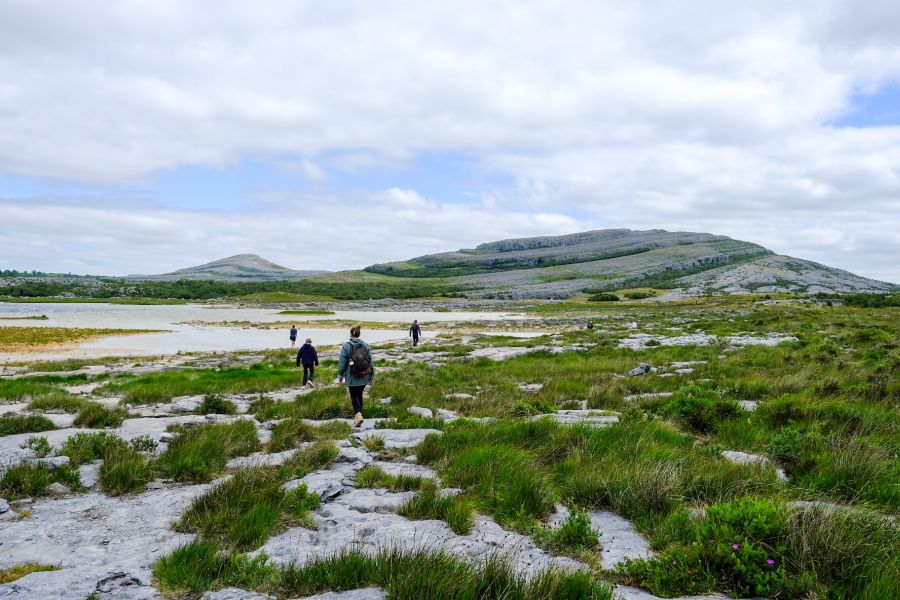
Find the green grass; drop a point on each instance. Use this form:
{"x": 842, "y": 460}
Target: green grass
{"x": 19, "y": 571}
{"x": 24, "y": 424}
{"x": 214, "y": 404}
{"x": 289, "y": 433}
{"x": 318, "y": 455}
{"x": 23, "y": 338}
{"x": 124, "y": 471}
{"x": 58, "y": 401}
{"x": 375, "y": 477}
{"x": 83, "y": 448}
{"x": 96, "y": 415}
{"x": 200, "y": 454}
{"x": 245, "y": 510}
{"x": 431, "y": 503}
{"x": 32, "y": 480}
{"x": 404, "y": 575}
{"x": 574, "y": 534}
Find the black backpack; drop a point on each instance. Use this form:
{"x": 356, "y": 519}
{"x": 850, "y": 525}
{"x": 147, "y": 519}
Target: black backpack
{"x": 359, "y": 360}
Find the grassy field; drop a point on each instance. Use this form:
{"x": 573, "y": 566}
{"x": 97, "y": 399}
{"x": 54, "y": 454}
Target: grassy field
{"x": 826, "y": 410}
{"x": 17, "y": 339}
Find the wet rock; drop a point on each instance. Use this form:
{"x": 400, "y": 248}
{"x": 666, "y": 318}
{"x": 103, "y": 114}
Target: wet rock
{"x": 231, "y": 593}
{"x": 397, "y": 438}
{"x": 641, "y": 369}
{"x": 58, "y": 489}
{"x": 420, "y": 411}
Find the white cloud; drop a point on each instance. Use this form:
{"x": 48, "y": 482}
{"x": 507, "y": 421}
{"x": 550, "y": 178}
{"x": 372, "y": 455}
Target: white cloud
{"x": 696, "y": 115}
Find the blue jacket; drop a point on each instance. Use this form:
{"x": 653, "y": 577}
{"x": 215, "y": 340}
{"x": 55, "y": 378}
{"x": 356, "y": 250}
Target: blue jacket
{"x": 307, "y": 355}
{"x": 344, "y": 369}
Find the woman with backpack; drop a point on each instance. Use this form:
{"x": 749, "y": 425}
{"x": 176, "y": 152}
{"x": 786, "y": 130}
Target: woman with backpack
{"x": 356, "y": 368}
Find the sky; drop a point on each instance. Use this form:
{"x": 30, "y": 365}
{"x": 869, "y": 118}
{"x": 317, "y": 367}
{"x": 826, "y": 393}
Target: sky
{"x": 147, "y": 136}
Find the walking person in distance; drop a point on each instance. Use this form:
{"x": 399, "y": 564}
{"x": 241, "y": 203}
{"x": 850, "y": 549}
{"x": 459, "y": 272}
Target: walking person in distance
{"x": 415, "y": 331}
{"x": 293, "y": 336}
{"x": 355, "y": 367}
{"x": 309, "y": 358}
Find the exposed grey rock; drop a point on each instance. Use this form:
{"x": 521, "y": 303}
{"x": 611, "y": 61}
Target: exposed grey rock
{"x": 625, "y": 592}
{"x": 185, "y": 404}
{"x": 326, "y": 483}
{"x": 53, "y": 462}
{"x": 58, "y": 489}
{"x": 411, "y": 459}
{"x": 90, "y": 474}
{"x": 357, "y": 457}
{"x": 434, "y": 365}
{"x": 446, "y": 416}
{"x": 748, "y": 404}
{"x": 154, "y": 485}
{"x": 4, "y": 505}
{"x": 420, "y": 411}
{"x": 397, "y": 438}
{"x": 641, "y": 369}
{"x": 459, "y": 396}
{"x": 361, "y": 594}
{"x": 412, "y": 470}
{"x": 639, "y": 341}
{"x": 618, "y": 537}
{"x": 386, "y": 400}
{"x": 261, "y": 459}
{"x": 596, "y": 418}
{"x": 646, "y": 395}
{"x": 742, "y": 458}
{"x": 532, "y": 388}
{"x": 231, "y": 593}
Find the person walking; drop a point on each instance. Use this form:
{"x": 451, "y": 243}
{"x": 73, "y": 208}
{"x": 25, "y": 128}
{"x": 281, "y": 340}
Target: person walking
{"x": 355, "y": 366}
{"x": 309, "y": 358}
{"x": 293, "y": 336}
{"x": 415, "y": 331}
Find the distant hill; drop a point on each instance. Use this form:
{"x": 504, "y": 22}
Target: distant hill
{"x": 611, "y": 259}
{"x": 241, "y": 267}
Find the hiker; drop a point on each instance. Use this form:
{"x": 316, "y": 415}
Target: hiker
{"x": 309, "y": 358}
{"x": 293, "y": 336}
{"x": 415, "y": 331}
{"x": 356, "y": 367}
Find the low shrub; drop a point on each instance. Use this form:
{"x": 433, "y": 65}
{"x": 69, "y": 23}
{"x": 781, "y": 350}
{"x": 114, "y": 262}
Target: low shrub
{"x": 143, "y": 443}
{"x": 698, "y": 409}
{"x": 32, "y": 480}
{"x": 575, "y": 534}
{"x": 39, "y": 446}
{"x": 84, "y": 447}
{"x": 124, "y": 470}
{"x": 96, "y": 415}
{"x": 603, "y": 297}
{"x": 795, "y": 449}
{"x": 200, "y": 453}
{"x": 215, "y": 404}
{"x": 245, "y": 510}
{"x": 24, "y": 424}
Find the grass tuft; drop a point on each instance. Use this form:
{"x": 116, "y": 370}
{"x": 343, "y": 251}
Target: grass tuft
{"x": 431, "y": 503}
{"x": 24, "y": 424}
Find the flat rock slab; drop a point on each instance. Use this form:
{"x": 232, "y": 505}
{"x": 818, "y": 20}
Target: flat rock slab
{"x": 411, "y": 470}
{"x": 646, "y": 396}
{"x": 618, "y": 537}
{"x": 742, "y": 458}
{"x": 11, "y": 453}
{"x": 95, "y": 540}
{"x": 638, "y": 341}
{"x": 397, "y": 438}
{"x": 231, "y": 593}
{"x": 631, "y": 593}
{"x": 594, "y": 418}
{"x": 327, "y": 484}
{"x": 261, "y": 459}
{"x": 341, "y": 527}
{"x": 363, "y": 594}
{"x": 367, "y": 500}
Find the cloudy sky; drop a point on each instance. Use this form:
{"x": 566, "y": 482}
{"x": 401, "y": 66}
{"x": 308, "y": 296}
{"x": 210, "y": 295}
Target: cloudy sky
{"x": 145, "y": 136}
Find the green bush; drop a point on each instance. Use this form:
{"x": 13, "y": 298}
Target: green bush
{"x": 24, "y": 424}
{"x": 245, "y": 510}
{"x": 698, "y": 409}
{"x": 200, "y": 453}
{"x": 84, "y": 447}
{"x": 123, "y": 471}
{"x": 603, "y": 297}
{"x": 639, "y": 295}
{"x": 38, "y": 445}
{"x": 215, "y": 404}
{"x": 143, "y": 443}
{"x": 96, "y": 415}
{"x": 795, "y": 449}
{"x": 575, "y": 534}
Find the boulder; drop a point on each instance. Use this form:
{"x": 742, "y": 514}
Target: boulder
{"x": 531, "y": 388}
{"x": 4, "y": 506}
{"x": 420, "y": 411}
{"x": 58, "y": 489}
{"x": 641, "y": 369}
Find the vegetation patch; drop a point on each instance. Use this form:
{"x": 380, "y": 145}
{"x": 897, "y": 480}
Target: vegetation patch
{"x": 123, "y": 471}
{"x": 431, "y": 503}
{"x": 13, "y": 339}
{"x": 200, "y": 454}
{"x": 12, "y": 573}
{"x": 375, "y": 477}
{"x": 96, "y": 415}
{"x": 32, "y": 480}
{"x": 573, "y": 535}
{"x": 213, "y": 404}
{"x": 246, "y": 509}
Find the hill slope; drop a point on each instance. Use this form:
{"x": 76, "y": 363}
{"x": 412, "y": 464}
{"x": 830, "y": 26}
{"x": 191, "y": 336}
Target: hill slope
{"x": 610, "y": 259}
{"x": 241, "y": 267}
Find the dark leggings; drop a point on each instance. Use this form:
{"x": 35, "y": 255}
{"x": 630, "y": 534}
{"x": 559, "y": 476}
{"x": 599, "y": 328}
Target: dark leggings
{"x": 308, "y": 372}
{"x": 356, "y": 392}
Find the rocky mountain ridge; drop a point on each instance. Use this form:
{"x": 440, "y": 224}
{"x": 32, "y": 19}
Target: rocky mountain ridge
{"x": 240, "y": 267}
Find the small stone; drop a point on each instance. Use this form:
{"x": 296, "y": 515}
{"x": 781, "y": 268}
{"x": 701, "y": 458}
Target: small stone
{"x": 531, "y": 388}
{"x": 89, "y": 474}
{"x": 154, "y": 485}
{"x": 385, "y": 400}
{"x": 4, "y": 505}
{"x": 641, "y": 369}
{"x": 411, "y": 459}
{"x": 166, "y": 438}
{"x": 58, "y": 489}
{"x": 434, "y": 365}
{"x": 420, "y": 411}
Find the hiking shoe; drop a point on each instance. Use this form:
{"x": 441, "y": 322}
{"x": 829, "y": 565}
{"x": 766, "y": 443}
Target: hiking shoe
{"x": 358, "y": 419}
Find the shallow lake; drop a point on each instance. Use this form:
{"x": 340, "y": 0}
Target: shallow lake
{"x": 190, "y": 327}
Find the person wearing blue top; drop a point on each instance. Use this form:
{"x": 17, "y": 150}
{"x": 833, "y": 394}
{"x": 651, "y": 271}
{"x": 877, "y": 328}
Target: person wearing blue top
{"x": 308, "y": 357}
{"x": 415, "y": 331}
{"x": 293, "y": 336}
{"x": 355, "y": 366}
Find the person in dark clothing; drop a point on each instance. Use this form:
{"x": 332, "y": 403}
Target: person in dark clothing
{"x": 293, "y": 336}
{"x": 355, "y": 366}
{"x": 309, "y": 358}
{"x": 415, "y": 331}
